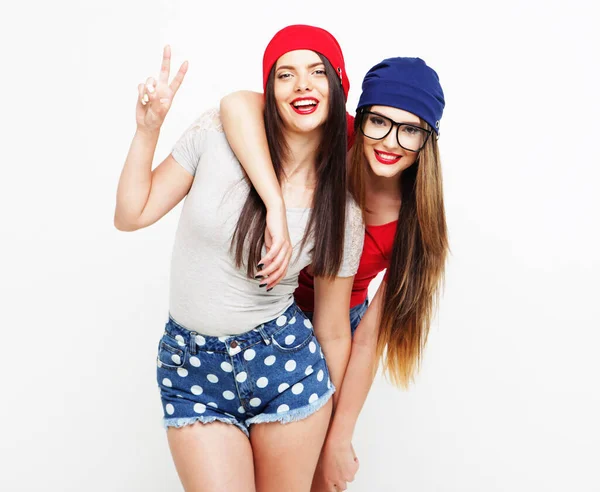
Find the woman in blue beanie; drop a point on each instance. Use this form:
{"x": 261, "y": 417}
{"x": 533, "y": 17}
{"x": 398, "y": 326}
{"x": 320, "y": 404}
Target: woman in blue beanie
{"x": 395, "y": 175}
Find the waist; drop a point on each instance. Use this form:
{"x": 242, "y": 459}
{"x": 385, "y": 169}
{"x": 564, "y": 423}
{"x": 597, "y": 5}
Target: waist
{"x": 232, "y": 343}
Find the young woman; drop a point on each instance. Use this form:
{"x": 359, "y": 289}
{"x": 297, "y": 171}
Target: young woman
{"x": 395, "y": 175}
{"x": 236, "y": 350}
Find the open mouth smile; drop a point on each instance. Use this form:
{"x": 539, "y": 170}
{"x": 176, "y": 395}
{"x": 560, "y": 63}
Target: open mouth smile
{"x": 305, "y": 105}
{"x": 387, "y": 157}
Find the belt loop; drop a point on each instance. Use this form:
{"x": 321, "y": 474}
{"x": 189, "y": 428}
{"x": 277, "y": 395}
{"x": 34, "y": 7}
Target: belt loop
{"x": 193, "y": 342}
{"x": 266, "y": 339}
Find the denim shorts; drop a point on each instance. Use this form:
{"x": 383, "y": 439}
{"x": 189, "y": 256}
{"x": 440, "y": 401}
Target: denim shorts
{"x": 356, "y": 314}
{"x": 273, "y": 373}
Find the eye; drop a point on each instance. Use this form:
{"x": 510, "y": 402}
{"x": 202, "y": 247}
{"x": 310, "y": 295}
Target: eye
{"x": 411, "y": 130}
{"x": 284, "y": 75}
{"x": 320, "y": 71}
{"x": 377, "y": 120}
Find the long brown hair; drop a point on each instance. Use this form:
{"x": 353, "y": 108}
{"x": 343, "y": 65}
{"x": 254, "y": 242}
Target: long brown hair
{"x": 416, "y": 270}
{"x": 329, "y": 198}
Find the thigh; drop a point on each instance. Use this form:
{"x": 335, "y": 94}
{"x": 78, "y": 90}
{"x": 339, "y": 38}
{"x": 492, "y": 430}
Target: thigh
{"x": 214, "y": 457}
{"x": 286, "y": 455}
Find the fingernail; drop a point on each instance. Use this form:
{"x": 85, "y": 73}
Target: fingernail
{"x": 258, "y": 277}
{"x": 260, "y": 266}
{"x": 150, "y": 88}
{"x": 270, "y": 289}
{"x": 145, "y": 98}
{"x": 262, "y": 285}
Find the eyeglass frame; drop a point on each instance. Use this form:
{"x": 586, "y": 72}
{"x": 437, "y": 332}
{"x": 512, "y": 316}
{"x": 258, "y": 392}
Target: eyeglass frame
{"x": 397, "y": 125}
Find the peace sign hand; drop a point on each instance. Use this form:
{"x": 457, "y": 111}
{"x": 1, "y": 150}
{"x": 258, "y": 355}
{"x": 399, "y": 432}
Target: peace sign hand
{"x": 155, "y": 99}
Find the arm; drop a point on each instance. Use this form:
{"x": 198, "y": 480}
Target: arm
{"x": 338, "y": 463}
{"x": 362, "y": 368}
{"x": 332, "y": 300}
{"x": 242, "y": 119}
{"x": 143, "y": 195}
{"x": 332, "y": 325}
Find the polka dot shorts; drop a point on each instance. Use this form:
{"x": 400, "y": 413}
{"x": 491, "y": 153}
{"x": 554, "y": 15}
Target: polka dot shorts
{"x": 273, "y": 373}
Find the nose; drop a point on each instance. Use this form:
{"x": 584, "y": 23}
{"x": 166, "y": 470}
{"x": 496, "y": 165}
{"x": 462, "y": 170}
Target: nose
{"x": 391, "y": 141}
{"x": 302, "y": 84}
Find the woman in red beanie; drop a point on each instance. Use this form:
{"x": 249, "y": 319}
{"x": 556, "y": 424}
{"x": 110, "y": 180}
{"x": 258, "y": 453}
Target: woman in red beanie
{"x": 238, "y": 358}
{"x": 395, "y": 175}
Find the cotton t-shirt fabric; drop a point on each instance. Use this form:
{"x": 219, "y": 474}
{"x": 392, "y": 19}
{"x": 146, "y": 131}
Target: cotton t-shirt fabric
{"x": 208, "y": 293}
{"x": 376, "y": 255}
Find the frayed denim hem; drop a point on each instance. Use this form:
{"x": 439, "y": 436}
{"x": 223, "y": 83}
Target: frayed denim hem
{"x": 181, "y": 422}
{"x": 293, "y": 415}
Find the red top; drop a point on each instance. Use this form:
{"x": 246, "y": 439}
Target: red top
{"x": 375, "y": 257}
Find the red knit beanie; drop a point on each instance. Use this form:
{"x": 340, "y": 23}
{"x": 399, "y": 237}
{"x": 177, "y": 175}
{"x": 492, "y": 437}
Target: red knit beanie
{"x": 301, "y": 37}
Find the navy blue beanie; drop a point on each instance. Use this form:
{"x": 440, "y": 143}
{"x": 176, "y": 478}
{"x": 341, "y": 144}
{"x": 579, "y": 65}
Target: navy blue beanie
{"x": 405, "y": 83}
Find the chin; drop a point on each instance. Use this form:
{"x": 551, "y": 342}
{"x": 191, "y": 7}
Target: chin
{"x": 384, "y": 170}
{"x": 306, "y": 124}
{"x": 302, "y": 123}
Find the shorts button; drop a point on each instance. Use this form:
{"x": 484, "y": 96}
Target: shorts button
{"x": 233, "y": 344}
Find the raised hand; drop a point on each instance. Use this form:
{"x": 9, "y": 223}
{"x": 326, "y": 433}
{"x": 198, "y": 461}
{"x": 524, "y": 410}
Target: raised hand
{"x": 155, "y": 98}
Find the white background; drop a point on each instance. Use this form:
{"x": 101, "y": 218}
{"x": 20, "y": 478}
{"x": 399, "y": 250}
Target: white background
{"x": 508, "y": 397}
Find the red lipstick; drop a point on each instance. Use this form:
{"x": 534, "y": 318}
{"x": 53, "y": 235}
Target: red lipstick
{"x": 305, "y": 105}
{"x": 387, "y": 157}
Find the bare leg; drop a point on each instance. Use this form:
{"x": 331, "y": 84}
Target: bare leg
{"x": 213, "y": 457}
{"x": 286, "y": 455}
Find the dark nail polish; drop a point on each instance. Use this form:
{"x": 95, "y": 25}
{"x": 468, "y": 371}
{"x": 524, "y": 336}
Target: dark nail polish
{"x": 260, "y": 266}
{"x": 269, "y": 290}
{"x": 262, "y": 285}
{"x": 258, "y": 277}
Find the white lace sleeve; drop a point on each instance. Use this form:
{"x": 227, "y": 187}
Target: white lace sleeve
{"x": 353, "y": 240}
{"x": 190, "y": 146}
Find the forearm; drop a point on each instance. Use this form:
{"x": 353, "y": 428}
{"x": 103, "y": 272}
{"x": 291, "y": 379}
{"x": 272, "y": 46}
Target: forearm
{"x": 337, "y": 353}
{"x": 242, "y": 118}
{"x": 357, "y": 383}
{"x": 135, "y": 182}
{"x": 360, "y": 373}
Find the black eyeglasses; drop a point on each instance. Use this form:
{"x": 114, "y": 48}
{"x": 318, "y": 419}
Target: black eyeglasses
{"x": 409, "y": 137}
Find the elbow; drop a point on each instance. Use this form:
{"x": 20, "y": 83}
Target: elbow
{"x": 235, "y": 100}
{"x": 364, "y": 339}
{"x": 229, "y": 101}
{"x": 123, "y": 225}
{"x": 334, "y": 334}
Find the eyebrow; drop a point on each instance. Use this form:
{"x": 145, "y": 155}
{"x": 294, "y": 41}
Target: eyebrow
{"x": 290, "y": 67}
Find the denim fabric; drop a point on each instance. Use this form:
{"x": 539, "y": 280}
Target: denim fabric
{"x": 356, "y": 314}
{"x": 275, "y": 372}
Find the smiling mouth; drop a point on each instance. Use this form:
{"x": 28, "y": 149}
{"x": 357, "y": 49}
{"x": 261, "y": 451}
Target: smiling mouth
{"x": 305, "y": 105}
{"x": 386, "y": 157}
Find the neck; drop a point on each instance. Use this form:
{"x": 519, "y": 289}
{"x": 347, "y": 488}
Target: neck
{"x": 300, "y": 161}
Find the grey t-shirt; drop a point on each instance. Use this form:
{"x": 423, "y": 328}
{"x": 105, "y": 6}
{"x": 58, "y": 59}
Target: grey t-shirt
{"x": 208, "y": 293}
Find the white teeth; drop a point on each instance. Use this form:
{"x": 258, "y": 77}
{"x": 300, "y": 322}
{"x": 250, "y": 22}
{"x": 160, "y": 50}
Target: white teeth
{"x": 305, "y": 103}
{"x": 387, "y": 157}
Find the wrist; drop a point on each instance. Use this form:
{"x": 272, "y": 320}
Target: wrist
{"x": 341, "y": 431}
{"x": 274, "y": 203}
{"x": 147, "y": 133}
{"x": 337, "y": 440}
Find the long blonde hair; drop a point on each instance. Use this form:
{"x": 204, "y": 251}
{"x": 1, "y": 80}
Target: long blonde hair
{"x": 418, "y": 258}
